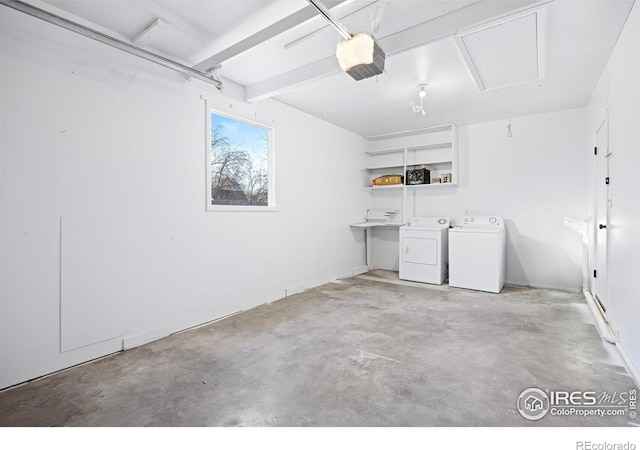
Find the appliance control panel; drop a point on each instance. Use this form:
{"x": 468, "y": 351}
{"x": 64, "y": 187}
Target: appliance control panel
{"x": 480, "y": 221}
{"x": 430, "y": 222}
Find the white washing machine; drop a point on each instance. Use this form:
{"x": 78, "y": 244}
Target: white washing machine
{"x": 423, "y": 250}
{"x": 477, "y": 253}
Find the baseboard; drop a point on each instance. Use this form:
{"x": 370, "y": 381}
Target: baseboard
{"x": 603, "y": 327}
{"x": 631, "y": 367}
{"x": 359, "y": 269}
{"x": 609, "y": 335}
{"x": 144, "y": 338}
{"x": 355, "y": 271}
{"x": 208, "y": 322}
{"x": 295, "y": 289}
{"x": 542, "y": 286}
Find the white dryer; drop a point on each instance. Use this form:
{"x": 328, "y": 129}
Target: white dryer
{"x": 423, "y": 250}
{"x": 477, "y": 253}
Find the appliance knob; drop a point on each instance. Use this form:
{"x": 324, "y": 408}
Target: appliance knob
{"x": 493, "y": 220}
{"x": 442, "y": 221}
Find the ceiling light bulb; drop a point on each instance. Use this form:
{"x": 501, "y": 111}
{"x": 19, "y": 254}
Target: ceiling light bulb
{"x": 422, "y": 93}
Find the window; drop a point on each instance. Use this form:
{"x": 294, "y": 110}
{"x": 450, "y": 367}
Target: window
{"x": 240, "y": 165}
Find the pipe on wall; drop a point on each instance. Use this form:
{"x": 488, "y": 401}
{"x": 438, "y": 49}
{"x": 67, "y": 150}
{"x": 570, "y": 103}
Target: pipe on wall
{"x": 109, "y": 40}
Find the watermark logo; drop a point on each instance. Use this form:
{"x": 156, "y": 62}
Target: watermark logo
{"x": 588, "y": 445}
{"x": 533, "y": 404}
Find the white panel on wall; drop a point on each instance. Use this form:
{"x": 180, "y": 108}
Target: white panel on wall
{"x": 94, "y": 291}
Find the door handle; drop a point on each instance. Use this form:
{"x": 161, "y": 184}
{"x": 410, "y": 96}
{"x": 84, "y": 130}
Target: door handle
{"x": 602, "y": 226}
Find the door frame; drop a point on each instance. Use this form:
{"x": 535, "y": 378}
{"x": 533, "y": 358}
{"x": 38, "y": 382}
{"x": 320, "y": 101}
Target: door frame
{"x": 600, "y": 260}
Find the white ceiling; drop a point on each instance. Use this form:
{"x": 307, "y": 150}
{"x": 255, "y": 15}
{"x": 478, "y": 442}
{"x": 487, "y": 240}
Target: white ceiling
{"x": 505, "y": 54}
{"x": 295, "y": 64}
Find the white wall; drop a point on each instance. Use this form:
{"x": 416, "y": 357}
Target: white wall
{"x": 89, "y": 131}
{"x": 534, "y": 180}
{"x": 618, "y": 92}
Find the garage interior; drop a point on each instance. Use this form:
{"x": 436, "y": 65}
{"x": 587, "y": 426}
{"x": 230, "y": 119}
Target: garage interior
{"x": 142, "y": 285}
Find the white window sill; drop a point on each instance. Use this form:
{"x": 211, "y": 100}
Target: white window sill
{"x": 221, "y": 208}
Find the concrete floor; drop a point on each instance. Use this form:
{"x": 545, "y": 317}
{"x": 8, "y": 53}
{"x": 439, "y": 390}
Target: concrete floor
{"x": 365, "y": 351}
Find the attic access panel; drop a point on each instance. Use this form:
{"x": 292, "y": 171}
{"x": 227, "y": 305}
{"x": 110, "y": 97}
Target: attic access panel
{"x": 503, "y": 54}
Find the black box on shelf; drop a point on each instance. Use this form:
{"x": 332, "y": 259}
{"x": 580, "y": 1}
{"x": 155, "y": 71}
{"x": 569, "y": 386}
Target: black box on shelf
{"x": 418, "y": 176}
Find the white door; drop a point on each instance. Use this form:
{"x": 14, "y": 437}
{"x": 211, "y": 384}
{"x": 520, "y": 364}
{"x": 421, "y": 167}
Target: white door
{"x": 600, "y": 287}
{"x": 420, "y": 251}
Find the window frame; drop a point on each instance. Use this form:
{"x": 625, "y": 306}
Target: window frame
{"x": 271, "y": 172}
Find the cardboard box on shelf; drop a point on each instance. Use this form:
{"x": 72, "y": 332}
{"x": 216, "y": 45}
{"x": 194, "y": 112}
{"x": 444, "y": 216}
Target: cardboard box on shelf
{"x": 387, "y": 179}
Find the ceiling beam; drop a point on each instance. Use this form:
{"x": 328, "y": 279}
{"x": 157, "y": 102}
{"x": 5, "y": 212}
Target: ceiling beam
{"x": 111, "y": 41}
{"x": 296, "y": 77}
{"x": 285, "y": 24}
{"x": 425, "y": 33}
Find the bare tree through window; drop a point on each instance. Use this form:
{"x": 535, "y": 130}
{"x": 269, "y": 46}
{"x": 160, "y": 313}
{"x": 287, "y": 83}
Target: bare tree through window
{"x": 239, "y": 162}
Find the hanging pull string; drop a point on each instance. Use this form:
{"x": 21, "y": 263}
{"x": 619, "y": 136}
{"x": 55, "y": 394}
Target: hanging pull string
{"x": 509, "y": 133}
